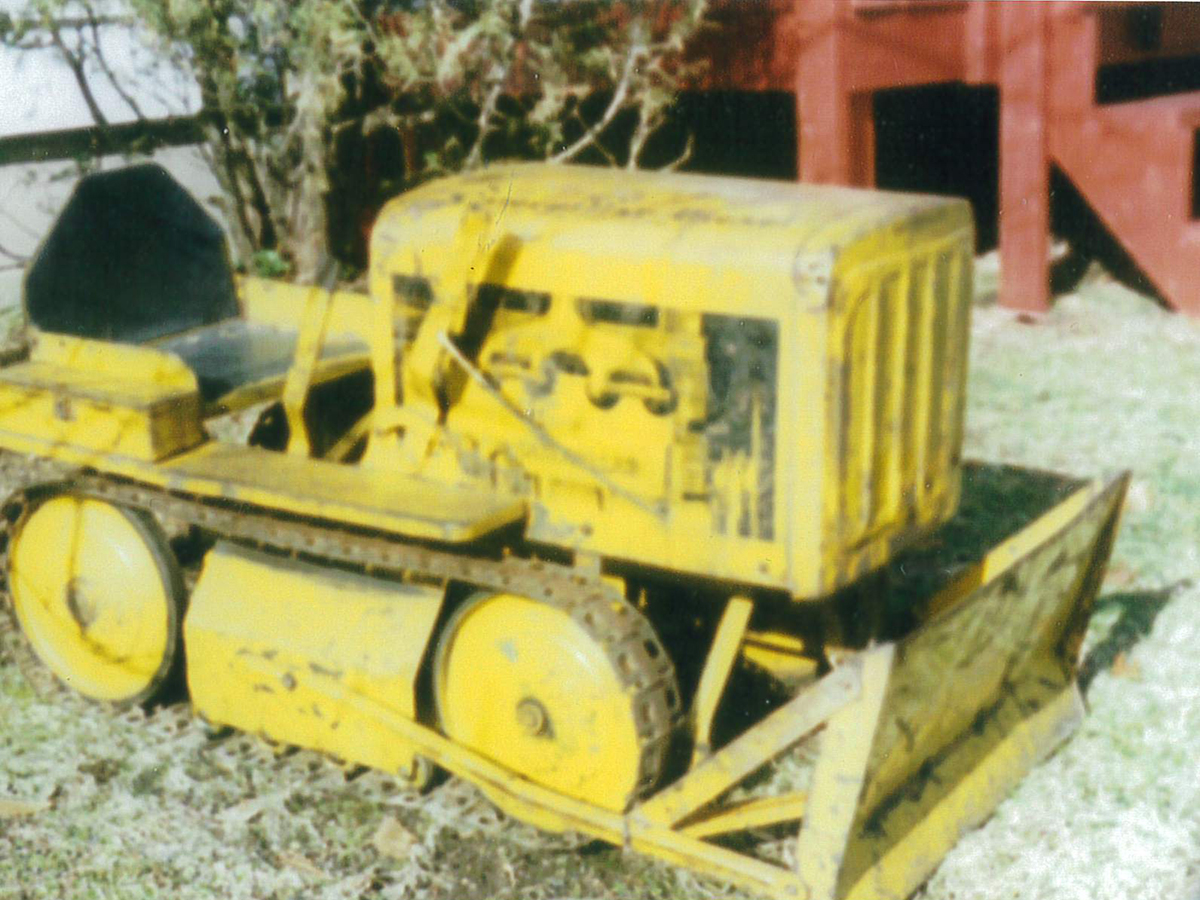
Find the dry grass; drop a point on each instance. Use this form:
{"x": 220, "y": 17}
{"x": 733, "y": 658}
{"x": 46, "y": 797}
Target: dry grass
{"x": 106, "y": 805}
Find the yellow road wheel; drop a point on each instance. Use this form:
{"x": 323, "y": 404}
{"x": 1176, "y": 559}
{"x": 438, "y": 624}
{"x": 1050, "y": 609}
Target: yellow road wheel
{"x": 97, "y": 592}
{"x": 580, "y": 698}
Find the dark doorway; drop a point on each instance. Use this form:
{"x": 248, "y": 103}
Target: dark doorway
{"x": 741, "y": 132}
{"x": 1143, "y": 79}
{"x": 942, "y": 139}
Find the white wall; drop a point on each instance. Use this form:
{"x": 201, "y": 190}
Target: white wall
{"x": 38, "y": 93}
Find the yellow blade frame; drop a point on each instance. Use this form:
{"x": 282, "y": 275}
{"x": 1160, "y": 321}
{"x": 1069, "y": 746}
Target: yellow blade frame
{"x": 919, "y": 739}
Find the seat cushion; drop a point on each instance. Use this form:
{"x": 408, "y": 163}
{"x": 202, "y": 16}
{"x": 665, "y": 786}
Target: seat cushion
{"x": 238, "y": 353}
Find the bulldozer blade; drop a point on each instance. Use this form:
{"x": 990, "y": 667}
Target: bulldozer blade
{"x": 975, "y": 697}
{"x": 919, "y": 738}
{"x": 937, "y": 727}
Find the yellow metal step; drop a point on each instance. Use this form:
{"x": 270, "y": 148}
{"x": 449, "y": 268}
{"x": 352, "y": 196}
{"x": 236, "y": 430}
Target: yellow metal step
{"x": 327, "y": 490}
{"x": 354, "y": 495}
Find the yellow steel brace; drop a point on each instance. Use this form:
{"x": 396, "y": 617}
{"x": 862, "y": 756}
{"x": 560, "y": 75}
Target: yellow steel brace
{"x": 308, "y": 351}
{"x": 839, "y": 775}
{"x": 718, "y": 665}
{"x": 759, "y": 745}
{"x": 756, "y": 812}
{"x": 550, "y": 809}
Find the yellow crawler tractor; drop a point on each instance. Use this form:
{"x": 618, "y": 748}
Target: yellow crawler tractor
{"x": 613, "y": 489}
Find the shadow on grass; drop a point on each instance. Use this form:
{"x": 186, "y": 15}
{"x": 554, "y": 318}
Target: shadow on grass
{"x": 1137, "y": 612}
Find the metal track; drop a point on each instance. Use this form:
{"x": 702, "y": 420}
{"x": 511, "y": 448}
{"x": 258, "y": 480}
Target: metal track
{"x": 638, "y": 657}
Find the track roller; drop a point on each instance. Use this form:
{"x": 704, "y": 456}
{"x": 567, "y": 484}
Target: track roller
{"x": 580, "y": 698}
{"x": 98, "y": 593}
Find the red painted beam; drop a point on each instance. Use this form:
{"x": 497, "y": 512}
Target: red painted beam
{"x": 1024, "y": 160}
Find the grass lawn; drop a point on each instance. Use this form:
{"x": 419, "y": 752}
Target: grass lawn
{"x": 100, "y": 805}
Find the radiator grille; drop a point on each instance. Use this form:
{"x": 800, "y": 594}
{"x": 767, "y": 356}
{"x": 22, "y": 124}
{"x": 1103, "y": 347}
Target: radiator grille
{"x": 902, "y": 373}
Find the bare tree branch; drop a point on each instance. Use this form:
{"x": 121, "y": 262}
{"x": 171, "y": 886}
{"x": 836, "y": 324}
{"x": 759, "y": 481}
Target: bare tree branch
{"x": 226, "y": 172}
{"x": 74, "y": 61}
{"x": 102, "y": 62}
{"x": 500, "y": 74}
{"x": 17, "y": 258}
{"x": 641, "y": 134}
{"x": 290, "y": 85}
{"x": 682, "y": 158}
{"x": 32, "y": 44}
{"x": 615, "y": 105}
{"x": 484, "y": 123}
{"x": 367, "y": 24}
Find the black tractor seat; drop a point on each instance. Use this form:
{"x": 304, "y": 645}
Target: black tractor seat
{"x": 134, "y": 259}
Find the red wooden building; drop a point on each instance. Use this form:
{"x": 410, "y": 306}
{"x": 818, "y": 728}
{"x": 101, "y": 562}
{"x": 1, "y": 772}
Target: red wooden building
{"x": 1132, "y": 157}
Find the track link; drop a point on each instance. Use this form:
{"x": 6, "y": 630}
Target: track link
{"x": 629, "y": 641}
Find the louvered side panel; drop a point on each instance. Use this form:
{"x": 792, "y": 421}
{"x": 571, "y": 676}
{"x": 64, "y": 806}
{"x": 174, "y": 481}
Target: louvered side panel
{"x": 948, "y": 357}
{"x": 903, "y": 358}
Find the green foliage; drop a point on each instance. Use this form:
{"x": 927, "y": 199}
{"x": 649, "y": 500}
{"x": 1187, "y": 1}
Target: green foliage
{"x": 269, "y": 264}
{"x": 304, "y": 99}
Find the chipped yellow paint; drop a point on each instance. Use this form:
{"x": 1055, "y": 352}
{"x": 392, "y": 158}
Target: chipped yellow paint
{"x": 111, "y": 398}
{"x": 282, "y": 304}
{"x": 308, "y": 487}
{"x": 854, "y": 841}
{"x": 266, "y": 638}
{"x": 145, "y": 366}
{"x": 524, "y": 684}
{"x": 912, "y": 837}
{"x": 594, "y": 304}
{"x": 1021, "y": 623}
{"x": 97, "y": 594}
{"x": 837, "y": 779}
{"x": 903, "y": 768}
{"x": 600, "y": 306}
{"x": 756, "y": 384}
